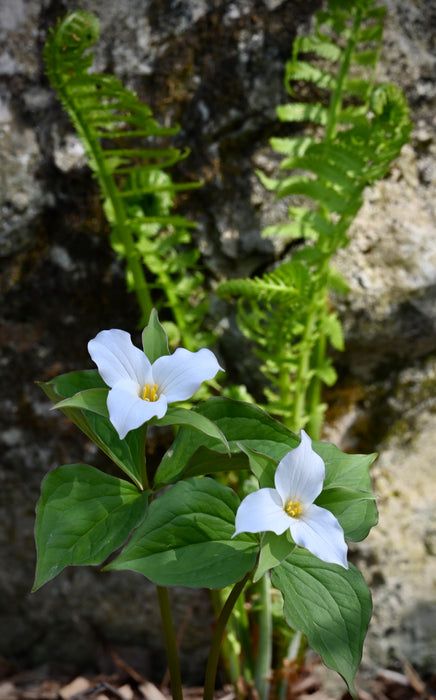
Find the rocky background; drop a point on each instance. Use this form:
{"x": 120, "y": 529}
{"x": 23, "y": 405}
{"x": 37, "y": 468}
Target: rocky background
{"x": 216, "y": 68}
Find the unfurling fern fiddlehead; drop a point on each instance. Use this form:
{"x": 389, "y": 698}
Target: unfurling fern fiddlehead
{"x": 137, "y": 190}
{"x": 357, "y": 129}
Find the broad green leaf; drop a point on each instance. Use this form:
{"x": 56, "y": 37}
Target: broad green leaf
{"x": 355, "y": 510}
{"x": 94, "y": 400}
{"x": 240, "y": 422}
{"x": 330, "y": 605}
{"x": 262, "y": 466}
{"x": 350, "y": 472}
{"x": 83, "y": 515}
{"x": 358, "y": 519}
{"x": 154, "y": 338}
{"x": 183, "y": 416}
{"x": 205, "y": 461}
{"x": 128, "y": 454}
{"x": 186, "y": 538}
{"x": 66, "y": 385}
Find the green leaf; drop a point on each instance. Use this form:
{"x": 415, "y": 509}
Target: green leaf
{"x": 330, "y": 605}
{"x": 205, "y": 461}
{"x": 295, "y": 229}
{"x": 240, "y": 422}
{"x": 94, "y": 400}
{"x": 296, "y": 146}
{"x": 301, "y": 112}
{"x": 354, "y": 509}
{"x": 83, "y": 515}
{"x": 154, "y": 338}
{"x": 128, "y": 454}
{"x": 301, "y": 70}
{"x": 326, "y": 195}
{"x": 274, "y": 549}
{"x": 326, "y": 373}
{"x": 66, "y": 385}
{"x": 186, "y": 538}
{"x": 262, "y": 466}
{"x": 350, "y": 472}
{"x": 314, "y": 44}
{"x": 183, "y": 416}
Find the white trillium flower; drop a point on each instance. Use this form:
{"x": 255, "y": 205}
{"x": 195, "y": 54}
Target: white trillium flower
{"x": 140, "y": 390}
{"x": 298, "y": 481}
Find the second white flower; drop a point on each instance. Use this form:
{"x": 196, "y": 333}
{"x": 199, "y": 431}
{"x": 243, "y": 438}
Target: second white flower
{"x": 290, "y": 506}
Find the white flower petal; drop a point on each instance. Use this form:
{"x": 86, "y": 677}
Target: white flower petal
{"x": 117, "y": 358}
{"x": 261, "y": 511}
{"x": 181, "y": 374}
{"x": 300, "y": 474}
{"x": 318, "y": 530}
{"x": 128, "y": 411}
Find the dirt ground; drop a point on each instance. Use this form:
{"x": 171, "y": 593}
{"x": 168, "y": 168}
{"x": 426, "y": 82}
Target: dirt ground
{"x": 128, "y": 684}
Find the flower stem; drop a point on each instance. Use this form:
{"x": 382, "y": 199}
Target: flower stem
{"x": 215, "y": 647}
{"x": 142, "y": 451}
{"x": 170, "y": 643}
{"x": 264, "y": 657}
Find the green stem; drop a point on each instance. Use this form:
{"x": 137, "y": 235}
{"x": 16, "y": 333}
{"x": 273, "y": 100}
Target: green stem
{"x": 336, "y": 100}
{"x": 284, "y": 384}
{"x": 314, "y": 391}
{"x": 130, "y": 252}
{"x": 215, "y": 647}
{"x": 142, "y": 451}
{"x": 264, "y": 658}
{"x": 232, "y": 643}
{"x": 301, "y": 381}
{"x": 170, "y": 643}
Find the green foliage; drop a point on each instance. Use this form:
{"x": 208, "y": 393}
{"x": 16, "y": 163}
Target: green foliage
{"x": 193, "y": 547}
{"x": 83, "y": 516}
{"x": 184, "y": 537}
{"x": 330, "y": 605}
{"x": 86, "y": 412}
{"x": 355, "y": 130}
{"x": 138, "y": 192}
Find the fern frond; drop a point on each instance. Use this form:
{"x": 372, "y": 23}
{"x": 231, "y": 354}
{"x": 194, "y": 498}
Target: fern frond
{"x": 108, "y": 117}
{"x": 283, "y": 285}
{"x": 128, "y": 153}
{"x": 359, "y": 130}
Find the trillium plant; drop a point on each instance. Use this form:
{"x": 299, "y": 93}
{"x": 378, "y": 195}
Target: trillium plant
{"x": 306, "y": 499}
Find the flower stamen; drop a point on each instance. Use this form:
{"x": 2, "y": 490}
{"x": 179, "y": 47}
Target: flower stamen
{"x": 150, "y": 393}
{"x": 293, "y": 508}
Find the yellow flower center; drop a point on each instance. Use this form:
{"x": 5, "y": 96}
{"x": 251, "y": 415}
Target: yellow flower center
{"x": 293, "y": 508}
{"x": 150, "y": 393}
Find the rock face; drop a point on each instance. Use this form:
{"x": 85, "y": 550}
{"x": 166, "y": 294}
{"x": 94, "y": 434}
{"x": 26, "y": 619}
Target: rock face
{"x": 217, "y": 69}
